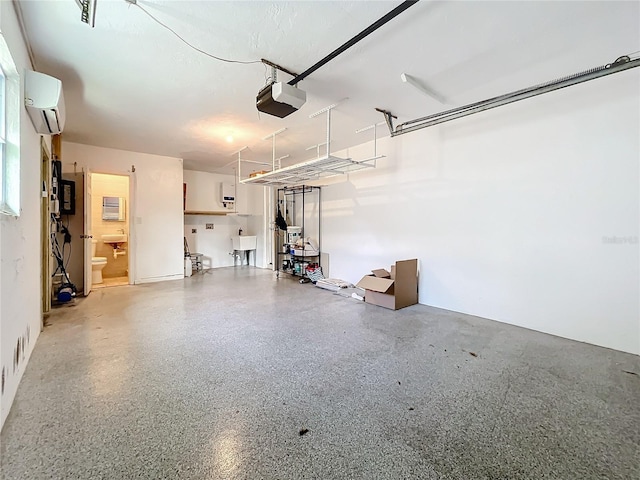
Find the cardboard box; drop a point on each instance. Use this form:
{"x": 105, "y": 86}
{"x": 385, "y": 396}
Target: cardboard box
{"x": 396, "y": 289}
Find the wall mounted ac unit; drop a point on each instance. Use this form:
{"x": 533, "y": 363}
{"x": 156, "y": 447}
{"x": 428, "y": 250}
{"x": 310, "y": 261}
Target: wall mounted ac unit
{"x": 44, "y": 101}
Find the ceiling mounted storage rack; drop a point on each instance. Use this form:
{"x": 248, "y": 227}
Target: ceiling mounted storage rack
{"x": 320, "y": 167}
{"x": 241, "y": 160}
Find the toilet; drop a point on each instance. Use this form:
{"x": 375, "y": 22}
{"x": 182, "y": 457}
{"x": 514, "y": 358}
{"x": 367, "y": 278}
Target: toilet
{"x": 97, "y": 264}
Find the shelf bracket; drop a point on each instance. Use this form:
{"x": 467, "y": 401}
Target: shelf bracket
{"x": 375, "y": 138}
{"x": 273, "y": 136}
{"x": 388, "y": 116}
{"x": 240, "y": 160}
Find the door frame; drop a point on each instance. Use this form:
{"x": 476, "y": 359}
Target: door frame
{"x": 45, "y": 230}
{"x": 130, "y": 210}
{"x": 87, "y": 233}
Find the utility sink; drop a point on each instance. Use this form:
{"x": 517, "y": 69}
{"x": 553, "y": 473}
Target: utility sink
{"x": 115, "y": 238}
{"x": 244, "y": 242}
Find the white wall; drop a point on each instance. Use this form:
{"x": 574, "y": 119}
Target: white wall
{"x": 510, "y": 213}
{"x": 214, "y": 245}
{"x": 20, "y": 269}
{"x": 156, "y": 205}
{"x": 203, "y": 194}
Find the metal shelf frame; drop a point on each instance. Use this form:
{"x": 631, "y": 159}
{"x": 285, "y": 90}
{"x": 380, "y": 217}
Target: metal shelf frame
{"x": 321, "y": 167}
{"x": 293, "y": 194}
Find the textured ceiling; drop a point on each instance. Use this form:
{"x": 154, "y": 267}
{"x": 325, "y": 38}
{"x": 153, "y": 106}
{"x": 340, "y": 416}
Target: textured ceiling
{"x": 131, "y": 84}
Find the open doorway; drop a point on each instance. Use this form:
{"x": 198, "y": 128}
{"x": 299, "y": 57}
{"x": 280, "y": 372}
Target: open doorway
{"x": 108, "y": 228}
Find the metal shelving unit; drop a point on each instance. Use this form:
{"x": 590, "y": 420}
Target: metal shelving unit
{"x": 293, "y": 202}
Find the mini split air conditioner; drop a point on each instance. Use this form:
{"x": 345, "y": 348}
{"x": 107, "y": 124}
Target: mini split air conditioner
{"x": 44, "y": 102}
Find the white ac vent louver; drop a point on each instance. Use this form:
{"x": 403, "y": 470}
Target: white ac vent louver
{"x": 44, "y": 101}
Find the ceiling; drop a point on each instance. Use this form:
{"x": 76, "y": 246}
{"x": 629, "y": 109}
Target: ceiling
{"x": 131, "y": 84}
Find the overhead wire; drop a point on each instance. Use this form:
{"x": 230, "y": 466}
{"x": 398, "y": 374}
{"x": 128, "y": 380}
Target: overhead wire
{"x": 215, "y": 57}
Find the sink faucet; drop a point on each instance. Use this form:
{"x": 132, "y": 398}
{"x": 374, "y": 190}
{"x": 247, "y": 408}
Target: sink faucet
{"x": 121, "y": 230}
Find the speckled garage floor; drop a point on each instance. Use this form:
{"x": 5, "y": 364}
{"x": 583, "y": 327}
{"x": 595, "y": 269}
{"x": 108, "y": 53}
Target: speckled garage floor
{"x": 215, "y": 376}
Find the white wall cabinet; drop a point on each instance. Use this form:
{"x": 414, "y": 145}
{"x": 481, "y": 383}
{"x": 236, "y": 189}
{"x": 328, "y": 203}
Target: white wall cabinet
{"x": 204, "y": 194}
{"x": 204, "y": 191}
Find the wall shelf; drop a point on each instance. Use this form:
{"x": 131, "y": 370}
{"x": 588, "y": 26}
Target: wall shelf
{"x": 200, "y": 212}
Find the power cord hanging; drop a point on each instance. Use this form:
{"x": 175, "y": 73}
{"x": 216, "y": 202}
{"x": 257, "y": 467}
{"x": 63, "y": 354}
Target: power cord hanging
{"x": 67, "y": 290}
{"x": 215, "y": 57}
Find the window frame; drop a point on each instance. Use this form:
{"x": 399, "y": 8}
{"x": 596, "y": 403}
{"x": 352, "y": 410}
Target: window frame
{"x": 10, "y": 120}
{"x": 3, "y": 142}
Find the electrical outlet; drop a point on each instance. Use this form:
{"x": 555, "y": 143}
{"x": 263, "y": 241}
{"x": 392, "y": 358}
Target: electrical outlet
{"x": 194, "y": 230}
{"x": 209, "y": 226}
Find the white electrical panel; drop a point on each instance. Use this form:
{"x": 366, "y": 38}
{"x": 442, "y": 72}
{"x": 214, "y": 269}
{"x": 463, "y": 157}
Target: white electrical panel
{"x": 228, "y": 192}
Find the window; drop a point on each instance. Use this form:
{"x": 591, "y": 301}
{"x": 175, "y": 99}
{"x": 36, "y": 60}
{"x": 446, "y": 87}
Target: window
{"x": 3, "y": 136}
{"x": 10, "y": 102}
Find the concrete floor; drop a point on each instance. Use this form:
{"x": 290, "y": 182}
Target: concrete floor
{"x": 215, "y": 376}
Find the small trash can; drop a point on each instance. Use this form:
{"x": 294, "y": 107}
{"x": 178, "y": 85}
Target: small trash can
{"x": 188, "y": 268}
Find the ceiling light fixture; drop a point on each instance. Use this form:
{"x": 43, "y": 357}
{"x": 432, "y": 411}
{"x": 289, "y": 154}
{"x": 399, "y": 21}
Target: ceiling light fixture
{"x": 421, "y": 87}
{"x": 87, "y": 11}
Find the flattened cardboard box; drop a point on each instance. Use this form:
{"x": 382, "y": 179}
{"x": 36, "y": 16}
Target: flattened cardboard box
{"x": 394, "y": 290}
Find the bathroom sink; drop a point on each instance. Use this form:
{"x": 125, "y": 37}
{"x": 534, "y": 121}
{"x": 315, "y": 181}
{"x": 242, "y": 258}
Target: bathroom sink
{"x": 244, "y": 242}
{"x": 115, "y": 238}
